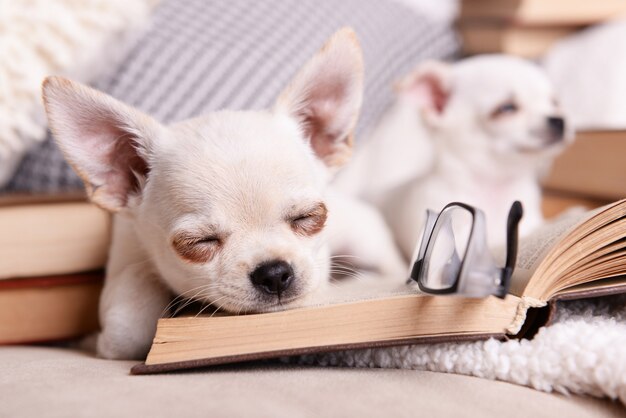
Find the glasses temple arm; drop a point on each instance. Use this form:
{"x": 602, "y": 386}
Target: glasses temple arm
{"x": 429, "y": 225}
{"x": 515, "y": 215}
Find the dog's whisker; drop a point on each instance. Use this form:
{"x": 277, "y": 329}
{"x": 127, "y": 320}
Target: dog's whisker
{"x": 189, "y": 301}
{"x": 332, "y": 257}
{"x": 243, "y": 305}
{"x": 209, "y": 305}
{"x": 342, "y": 268}
{"x": 345, "y": 274}
{"x": 354, "y": 275}
{"x": 218, "y": 309}
{"x": 179, "y": 298}
{"x": 339, "y": 269}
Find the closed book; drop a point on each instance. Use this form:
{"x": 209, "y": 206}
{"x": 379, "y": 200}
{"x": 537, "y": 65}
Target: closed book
{"x": 524, "y": 41}
{"x": 592, "y": 167}
{"x": 543, "y": 12}
{"x": 49, "y": 308}
{"x": 51, "y": 238}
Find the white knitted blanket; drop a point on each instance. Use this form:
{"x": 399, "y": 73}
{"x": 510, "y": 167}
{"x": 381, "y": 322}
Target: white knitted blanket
{"x": 582, "y": 352}
{"x": 43, "y": 37}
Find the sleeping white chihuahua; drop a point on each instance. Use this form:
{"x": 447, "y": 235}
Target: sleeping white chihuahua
{"x": 491, "y": 125}
{"x": 229, "y": 209}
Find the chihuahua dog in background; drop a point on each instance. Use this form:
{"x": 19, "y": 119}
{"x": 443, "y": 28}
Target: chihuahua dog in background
{"x": 230, "y": 209}
{"x": 493, "y": 126}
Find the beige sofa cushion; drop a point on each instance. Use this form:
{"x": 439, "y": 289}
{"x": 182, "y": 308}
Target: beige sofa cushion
{"x": 57, "y": 382}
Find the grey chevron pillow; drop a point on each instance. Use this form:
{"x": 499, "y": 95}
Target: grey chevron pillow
{"x": 203, "y": 55}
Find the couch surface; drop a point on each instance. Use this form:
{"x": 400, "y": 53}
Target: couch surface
{"x": 60, "y": 382}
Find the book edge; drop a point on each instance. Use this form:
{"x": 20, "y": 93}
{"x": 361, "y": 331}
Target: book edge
{"x": 48, "y": 314}
{"x": 94, "y": 276}
{"x": 538, "y": 317}
{"x": 27, "y": 199}
{"x": 143, "y": 368}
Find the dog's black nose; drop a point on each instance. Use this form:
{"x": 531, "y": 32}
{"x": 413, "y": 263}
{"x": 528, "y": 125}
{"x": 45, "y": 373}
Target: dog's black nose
{"x": 272, "y": 277}
{"x": 556, "y": 125}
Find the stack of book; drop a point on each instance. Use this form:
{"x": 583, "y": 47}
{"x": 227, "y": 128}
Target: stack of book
{"x": 52, "y": 254}
{"x": 591, "y": 170}
{"x": 528, "y": 28}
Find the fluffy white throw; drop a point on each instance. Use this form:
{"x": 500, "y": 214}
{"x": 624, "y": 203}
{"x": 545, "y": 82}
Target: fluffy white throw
{"x": 583, "y": 352}
{"x": 43, "y": 37}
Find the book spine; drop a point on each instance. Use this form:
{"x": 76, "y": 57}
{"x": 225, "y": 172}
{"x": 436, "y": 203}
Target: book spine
{"x": 51, "y": 281}
{"x": 526, "y": 303}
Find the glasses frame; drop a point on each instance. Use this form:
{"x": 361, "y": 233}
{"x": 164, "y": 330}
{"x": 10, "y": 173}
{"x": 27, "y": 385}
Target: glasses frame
{"x": 475, "y": 250}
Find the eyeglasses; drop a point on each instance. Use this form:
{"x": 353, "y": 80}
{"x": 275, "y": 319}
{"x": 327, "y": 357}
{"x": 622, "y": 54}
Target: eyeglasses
{"x": 453, "y": 256}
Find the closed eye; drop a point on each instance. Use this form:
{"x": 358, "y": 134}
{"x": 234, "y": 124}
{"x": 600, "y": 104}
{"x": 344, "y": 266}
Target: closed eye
{"x": 196, "y": 249}
{"x": 208, "y": 240}
{"x": 310, "y": 221}
{"x": 302, "y": 218}
{"x": 506, "y": 108}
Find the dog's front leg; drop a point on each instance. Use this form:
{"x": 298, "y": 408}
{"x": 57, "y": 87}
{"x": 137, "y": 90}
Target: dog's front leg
{"x": 131, "y": 303}
{"x": 357, "y": 231}
{"x": 133, "y": 297}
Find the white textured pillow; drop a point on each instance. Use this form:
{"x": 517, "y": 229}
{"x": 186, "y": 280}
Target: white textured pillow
{"x": 43, "y": 37}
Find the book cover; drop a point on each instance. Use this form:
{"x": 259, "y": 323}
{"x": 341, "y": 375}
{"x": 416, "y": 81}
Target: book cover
{"x": 52, "y": 238}
{"x": 600, "y": 177}
{"x": 49, "y": 308}
{"x": 542, "y": 12}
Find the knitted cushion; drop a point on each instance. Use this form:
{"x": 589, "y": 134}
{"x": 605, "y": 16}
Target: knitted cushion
{"x": 199, "y": 55}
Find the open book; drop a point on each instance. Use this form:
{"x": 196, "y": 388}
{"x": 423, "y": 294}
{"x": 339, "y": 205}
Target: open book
{"x": 578, "y": 255}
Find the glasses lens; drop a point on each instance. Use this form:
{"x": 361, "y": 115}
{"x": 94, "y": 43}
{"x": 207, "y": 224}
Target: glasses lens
{"x": 447, "y": 248}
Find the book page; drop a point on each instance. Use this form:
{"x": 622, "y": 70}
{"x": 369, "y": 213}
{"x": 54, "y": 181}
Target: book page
{"x": 534, "y": 248}
{"x": 352, "y": 290}
{"x": 335, "y": 292}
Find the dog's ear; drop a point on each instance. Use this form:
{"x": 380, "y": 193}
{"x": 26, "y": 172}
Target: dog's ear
{"x": 325, "y": 97}
{"x": 429, "y": 85}
{"x": 106, "y": 142}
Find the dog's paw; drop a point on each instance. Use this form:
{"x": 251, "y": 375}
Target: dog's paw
{"x": 121, "y": 347}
